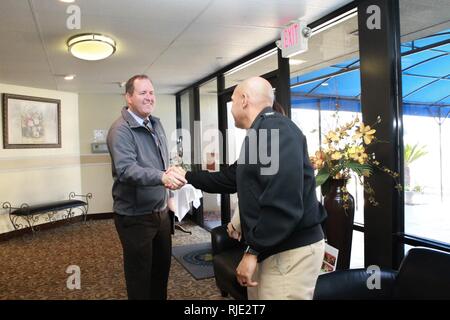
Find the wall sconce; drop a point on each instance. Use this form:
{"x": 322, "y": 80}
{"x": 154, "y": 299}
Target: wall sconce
{"x": 91, "y": 46}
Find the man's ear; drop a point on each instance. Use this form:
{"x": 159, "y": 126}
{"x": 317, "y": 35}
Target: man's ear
{"x": 244, "y": 100}
{"x": 127, "y": 98}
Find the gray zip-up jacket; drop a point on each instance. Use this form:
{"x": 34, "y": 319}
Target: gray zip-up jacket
{"x": 137, "y": 166}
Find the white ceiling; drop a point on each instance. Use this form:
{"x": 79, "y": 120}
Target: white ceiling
{"x": 175, "y": 42}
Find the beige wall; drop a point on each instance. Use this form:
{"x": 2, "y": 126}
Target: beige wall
{"x": 99, "y": 111}
{"x": 40, "y": 175}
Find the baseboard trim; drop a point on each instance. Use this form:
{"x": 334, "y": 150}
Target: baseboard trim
{"x": 100, "y": 216}
{"x": 54, "y": 224}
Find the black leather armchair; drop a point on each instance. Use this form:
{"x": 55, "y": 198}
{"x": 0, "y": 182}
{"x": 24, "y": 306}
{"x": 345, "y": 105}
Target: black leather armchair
{"x": 227, "y": 253}
{"x": 423, "y": 274}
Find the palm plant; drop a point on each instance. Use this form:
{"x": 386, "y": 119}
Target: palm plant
{"x": 412, "y": 153}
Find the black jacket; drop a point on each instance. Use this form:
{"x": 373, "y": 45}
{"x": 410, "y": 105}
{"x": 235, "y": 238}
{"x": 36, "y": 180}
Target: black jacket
{"x": 279, "y": 210}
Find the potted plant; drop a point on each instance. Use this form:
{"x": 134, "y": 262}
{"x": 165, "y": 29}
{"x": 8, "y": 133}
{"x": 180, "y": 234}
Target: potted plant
{"x": 343, "y": 154}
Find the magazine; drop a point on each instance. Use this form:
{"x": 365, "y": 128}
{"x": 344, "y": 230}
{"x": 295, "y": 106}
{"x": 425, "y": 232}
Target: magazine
{"x": 330, "y": 259}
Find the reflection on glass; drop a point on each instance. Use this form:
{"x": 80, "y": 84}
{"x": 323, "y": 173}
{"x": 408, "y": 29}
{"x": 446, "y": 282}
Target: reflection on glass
{"x": 186, "y": 128}
{"x": 329, "y": 80}
{"x": 357, "y": 257}
{"x": 210, "y": 149}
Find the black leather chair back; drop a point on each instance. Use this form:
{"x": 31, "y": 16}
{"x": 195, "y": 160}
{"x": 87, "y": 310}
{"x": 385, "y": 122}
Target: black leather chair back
{"x": 352, "y": 285}
{"x": 423, "y": 274}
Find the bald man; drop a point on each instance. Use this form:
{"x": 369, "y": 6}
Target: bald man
{"x": 280, "y": 215}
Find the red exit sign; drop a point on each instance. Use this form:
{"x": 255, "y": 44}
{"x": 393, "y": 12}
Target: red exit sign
{"x": 291, "y": 36}
{"x": 292, "y": 39}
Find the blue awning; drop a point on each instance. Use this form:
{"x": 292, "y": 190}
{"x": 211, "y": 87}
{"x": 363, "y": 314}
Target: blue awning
{"x": 425, "y": 77}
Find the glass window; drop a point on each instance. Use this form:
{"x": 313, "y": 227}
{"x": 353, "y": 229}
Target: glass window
{"x": 357, "y": 257}
{"x": 209, "y": 126}
{"x": 426, "y": 112}
{"x": 324, "y": 83}
{"x": 326, "y": 79}
{"x": 185, "y": 131}
{"x": 258, "y": 66}
{"x": 210, "y": 148}
{"x": 235, "y": 138}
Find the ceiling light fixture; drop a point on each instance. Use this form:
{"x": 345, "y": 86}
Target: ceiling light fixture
{"x": 69, "y": 77}
{"x": 331, "y": 23}
{"x": 296, "y": 62}
{"x": 91, "y": 46}
{"x": 251, "y": 61}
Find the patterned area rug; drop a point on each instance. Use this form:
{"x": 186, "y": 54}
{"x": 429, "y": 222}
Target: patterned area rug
{"x": 196, "y": 259}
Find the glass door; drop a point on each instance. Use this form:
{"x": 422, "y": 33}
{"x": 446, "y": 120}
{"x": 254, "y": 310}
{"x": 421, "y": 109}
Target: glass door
{"x": 210, "y": 150}
{"x": 235, "y": 138}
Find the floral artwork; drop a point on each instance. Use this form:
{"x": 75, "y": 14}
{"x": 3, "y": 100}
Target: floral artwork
{"x": 31, "y": 122}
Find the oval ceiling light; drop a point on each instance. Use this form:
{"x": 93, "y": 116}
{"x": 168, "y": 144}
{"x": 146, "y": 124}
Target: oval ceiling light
{"x": 91, "y": 46}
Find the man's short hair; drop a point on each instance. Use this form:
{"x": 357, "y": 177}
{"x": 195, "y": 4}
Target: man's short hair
{"x": 129, "y": 86}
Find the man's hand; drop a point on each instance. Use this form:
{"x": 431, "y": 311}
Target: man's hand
{"x": 173, "y": 180}
{"x": 171, "y": 204}
{"x": 246, "y": 269}
{"x": 232, "y": 232}
{"x": 178, "y": 170}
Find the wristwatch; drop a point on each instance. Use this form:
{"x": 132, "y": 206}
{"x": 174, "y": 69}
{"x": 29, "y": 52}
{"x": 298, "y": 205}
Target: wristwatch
{"x": 251, "y": 251}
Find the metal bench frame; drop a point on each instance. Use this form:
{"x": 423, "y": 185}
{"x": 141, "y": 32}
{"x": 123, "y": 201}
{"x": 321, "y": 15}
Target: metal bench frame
{"x": 30, "y": 219}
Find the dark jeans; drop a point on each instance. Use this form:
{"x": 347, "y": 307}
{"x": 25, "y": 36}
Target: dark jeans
{"x": 147, "y": 248}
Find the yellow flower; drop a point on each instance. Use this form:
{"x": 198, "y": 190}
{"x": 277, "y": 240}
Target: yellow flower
{"x": 358, "y": 153}
{"x": 365, "y": 132}
{"x": 318, "y": 161}
{"x": 362, "y": 158}
{"x": 332, "y": 137}
{"x": 336, "y": 155}
{"x": 351, "y": 151}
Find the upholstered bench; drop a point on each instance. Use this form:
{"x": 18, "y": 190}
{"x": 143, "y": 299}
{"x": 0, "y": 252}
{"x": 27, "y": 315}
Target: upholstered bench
{"x": 30, "y": 214}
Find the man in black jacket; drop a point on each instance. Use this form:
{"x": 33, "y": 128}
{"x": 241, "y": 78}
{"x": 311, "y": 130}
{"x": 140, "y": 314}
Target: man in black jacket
{"x": 280, "y": 215}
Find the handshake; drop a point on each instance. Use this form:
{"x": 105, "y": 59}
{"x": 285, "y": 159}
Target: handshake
{"x": 173, "y": 178}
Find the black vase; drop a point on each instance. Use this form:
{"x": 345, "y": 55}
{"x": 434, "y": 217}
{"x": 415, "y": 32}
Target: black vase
{"x": 339, "y": 223}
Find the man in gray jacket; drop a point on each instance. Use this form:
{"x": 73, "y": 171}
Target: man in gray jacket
{"x": 138, "y": 147}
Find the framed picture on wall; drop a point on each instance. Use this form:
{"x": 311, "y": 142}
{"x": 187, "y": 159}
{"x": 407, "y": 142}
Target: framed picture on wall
{"x": 31, "y": 122}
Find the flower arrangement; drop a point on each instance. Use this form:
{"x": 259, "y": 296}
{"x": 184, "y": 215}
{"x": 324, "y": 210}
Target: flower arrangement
{"x": 344, "y": 152}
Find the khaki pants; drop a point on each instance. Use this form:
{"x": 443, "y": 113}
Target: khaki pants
{"x": 288, "y": 275}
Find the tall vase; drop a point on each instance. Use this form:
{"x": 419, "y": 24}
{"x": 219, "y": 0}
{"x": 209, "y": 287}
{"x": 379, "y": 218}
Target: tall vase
{"x": 339, "y": 223}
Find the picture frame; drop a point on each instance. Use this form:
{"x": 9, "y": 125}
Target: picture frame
{"x": 31, "y": 122}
